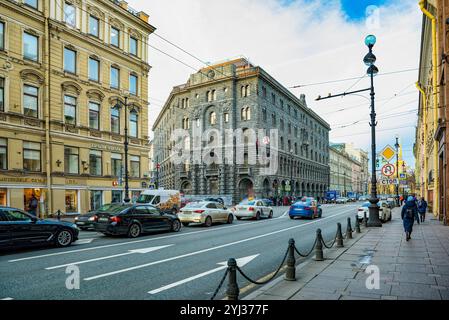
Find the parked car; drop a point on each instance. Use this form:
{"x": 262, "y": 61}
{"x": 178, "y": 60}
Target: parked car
{"x": 205, "y": 212}
{"x": 219, "y": 200}
{"x": 384, "y": 211}
{"x": 166, "y": 200}
{"x": 363, "y": 198}
{"x": 305, "y": 208}
{"x": 255, "y": 209}
{"x": 391, "y": 202}
{"x": 86, "y": 221}
{"x": 341, "y": 200}
{"x": 135, "y": 219}
{"x": 20, "y": 229}
{"x": 268, "y": 202}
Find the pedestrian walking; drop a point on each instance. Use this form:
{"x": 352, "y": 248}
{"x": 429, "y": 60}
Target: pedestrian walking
{"x": 32, "y": 205}
{"x": 422, "y": 208}
{"x": 409, "y": 214}
{"x": 401, "y": 200}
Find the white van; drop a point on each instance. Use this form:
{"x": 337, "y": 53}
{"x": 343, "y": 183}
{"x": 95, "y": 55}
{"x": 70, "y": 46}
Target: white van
{"x": 165, "y": 200}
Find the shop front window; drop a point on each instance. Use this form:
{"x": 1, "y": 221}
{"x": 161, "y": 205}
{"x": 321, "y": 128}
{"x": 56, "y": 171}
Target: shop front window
{"x": 116, "y": 196}
{"x": 135, "y": 195}
{"x": 3, "y": 197}
{"x": 96, "y": 199}
{"x": 71, "y": 201}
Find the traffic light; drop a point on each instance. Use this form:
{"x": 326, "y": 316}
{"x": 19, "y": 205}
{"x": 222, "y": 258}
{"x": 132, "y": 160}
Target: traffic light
{"x": 377, "y": 163}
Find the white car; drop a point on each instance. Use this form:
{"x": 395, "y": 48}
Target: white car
{"x": 253, "y": 209}
{"x": 341, "y": 200}
{"x": 384, "y": 211}
{"x": 205, "y": 212}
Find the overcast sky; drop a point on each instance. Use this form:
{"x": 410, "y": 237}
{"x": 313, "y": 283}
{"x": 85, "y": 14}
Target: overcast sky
{"x": 301, "y": 42}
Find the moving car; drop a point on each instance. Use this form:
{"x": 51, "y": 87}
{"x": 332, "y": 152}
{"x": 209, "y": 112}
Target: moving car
{"x": 391, "y": 202}
{"x": 219, "y": 200}
{"x": 135, "y": 219}
{"x": 268, "y": 202}
{"x": 384, "y": 211}
{"x": 205, "y": 212}
{"x": 306, "y": 208}
{"x": 86, "y": 221}
{"x": 253, "y": 209}
{"x": 165, "y": 200}
{"x": 20, "y": 229}
{"x": 341, "y": 200}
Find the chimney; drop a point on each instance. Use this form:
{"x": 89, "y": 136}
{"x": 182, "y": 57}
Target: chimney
{"x": 302, "y": 98}
{"x": 143, "y": 16}
{"x": 124, "y": 5}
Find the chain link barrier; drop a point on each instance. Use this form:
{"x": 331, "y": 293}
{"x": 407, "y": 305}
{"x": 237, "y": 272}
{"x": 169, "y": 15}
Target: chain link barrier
{"x": 221, "y": 284}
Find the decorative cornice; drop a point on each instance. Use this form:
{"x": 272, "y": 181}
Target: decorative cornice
{"x": 32, "y": 75}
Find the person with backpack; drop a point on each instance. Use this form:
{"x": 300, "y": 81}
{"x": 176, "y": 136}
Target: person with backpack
{"x": 409, "y": 214}
{"x": 32, "y": 205}
{"x": 422, "y": 208}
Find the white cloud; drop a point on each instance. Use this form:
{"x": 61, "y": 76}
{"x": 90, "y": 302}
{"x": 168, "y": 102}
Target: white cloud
{"x": 305, "y": 42}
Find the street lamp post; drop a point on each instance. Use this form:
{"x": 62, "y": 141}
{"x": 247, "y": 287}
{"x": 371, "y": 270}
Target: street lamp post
{"x": 291, "y": 174}
{"x": 397, "y": 169}
{"x": 370, "y": 58}
{"x": 118, "y": 106}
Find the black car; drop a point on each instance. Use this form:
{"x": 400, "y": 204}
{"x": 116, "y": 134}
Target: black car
{"x": 219, "y": 200}
{"x": 20, "y": 229}
{"x": 86, "y": 221}
{"x": 135, "y": 219}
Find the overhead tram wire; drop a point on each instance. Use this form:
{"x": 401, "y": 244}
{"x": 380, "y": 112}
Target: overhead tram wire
{"x": 369, "y": 132}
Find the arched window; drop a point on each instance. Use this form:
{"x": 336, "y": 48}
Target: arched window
{"x": 187, "y": 123}
{"x": 248, "y": 90}
{"x": 212, "y": 118}
{"x": 214, "y": 95}
{"x": 242, "y": 91}
{"x": 243, "y": 114}
{"x": 248, "y": 113}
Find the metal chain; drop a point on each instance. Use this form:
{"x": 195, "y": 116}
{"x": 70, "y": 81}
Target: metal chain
{"x": 306, "y": 255}
{"x": 266, "y": 281}
{"x": 333, "y": 242}
{"x": 221, "y": 283}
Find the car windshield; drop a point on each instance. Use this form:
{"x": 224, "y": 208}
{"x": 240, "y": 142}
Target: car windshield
{"x": 145, "y": 198}
{"x": 366, "y": 204}
{"x": 116, "y": 208}
{"x": 247, "y": 203}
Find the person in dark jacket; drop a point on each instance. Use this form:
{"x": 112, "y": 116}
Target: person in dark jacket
{"x": 409, "y": 214}
{"x": 422, "y": 208}
{"x": 32, "y": 205}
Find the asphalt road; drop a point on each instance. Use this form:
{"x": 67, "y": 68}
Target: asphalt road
{"x": 184, "y": 265}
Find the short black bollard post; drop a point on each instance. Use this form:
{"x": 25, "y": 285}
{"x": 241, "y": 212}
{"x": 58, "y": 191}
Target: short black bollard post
{"x": 365, "y": 220}
{"x": 349, "y": 229}
{"x": 290, "y": 272}
{"x": 232, "y": 291}
{"x": 357, "y": 224}
{"x": 339, "y": 239}
{"x": 59, "y": 214}
{"x": 319, "y": 246}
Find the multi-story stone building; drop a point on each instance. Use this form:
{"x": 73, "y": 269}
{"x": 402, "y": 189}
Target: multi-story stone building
{"x": 238, "y": 95}
{"x": 345, "y": 171}
{"x": 63, "y": 65}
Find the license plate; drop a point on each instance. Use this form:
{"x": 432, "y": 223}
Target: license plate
{"x": 103, "y": 219}
{"x": 186, "y": 212}
{"x": 80, "y": 222}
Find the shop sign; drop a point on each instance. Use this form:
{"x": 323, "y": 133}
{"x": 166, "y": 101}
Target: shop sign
{"x": 23, "y": 180}
{"x": 106, "y": 147}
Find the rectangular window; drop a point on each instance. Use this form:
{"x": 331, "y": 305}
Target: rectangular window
{"x": 133, "y": 46}
{"x": 30, "y": 47}
{"x": 71, "y": 160}
{"x": 94, "y": 70}
{"x": 226, "y": 117}
{"x": 115, "y": 37}
{"x": 71, "y": 201}
{"x": 133, "y": 84}
{"x": 94, "y": 116}
{"x": 116, "y": 160}
{"x": 96, "y": 199}
{"x": 2, "y": 36}
{"x": 2, "y": 95}
{"x": 116, "y": 196}
{"x": 94, "y": 26}
{"x": 70, "y": 14}
{"x": 31, "y": 156}
{"x": 70, "y": 110}
{"x": 115, "y": 78}
{"x": 3, "y": 154}
{"x": 133, "y": 124}
{"x": 30, "y": 101}
{"x": 31, "y": 3}
{"x": 115, "y": 121}
{"x": 95, "y": 162}
{"x": 69, "y": 60}
{"x": 135, "y": 166}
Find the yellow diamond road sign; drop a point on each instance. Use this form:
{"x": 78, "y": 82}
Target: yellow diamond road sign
{"x": 388, "y": 153}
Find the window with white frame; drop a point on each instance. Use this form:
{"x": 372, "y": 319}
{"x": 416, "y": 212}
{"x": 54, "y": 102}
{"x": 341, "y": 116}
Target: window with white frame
{"x": 70, "y": 14}
{"x": 30, "y": 101}
{"x": 70, "y": 110}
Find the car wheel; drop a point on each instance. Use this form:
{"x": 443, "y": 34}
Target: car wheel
{"x": 258, "y": 216}
{"x": 185, "y": 224}
{"x": 389, "y": 219}
{"x": 230, "y": 219}
{"x": 292, "y": 217}
{"x": 270, "y": 215}
{"x": 174, "y": 211}
{"x": 208, "y": 222}
{"x": 175, "y": 226}
{"x": 64, "y": 238}
{"x": 134, "y": 230}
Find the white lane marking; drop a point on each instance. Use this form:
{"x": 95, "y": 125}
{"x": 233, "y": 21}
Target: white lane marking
{"x": 7, "y": 298}
{"x": 84, "y": 241}
{"x": 240, "y": 262}
{"x": 143, "y": 250}
{"x": 284, "y": 214}
{"x": 209, "y": 249}
{"x": 143, "y": 240}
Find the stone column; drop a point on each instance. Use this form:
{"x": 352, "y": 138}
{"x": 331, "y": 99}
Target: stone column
{"x": 201, "y": 176}
{"x": 222, "y": 179}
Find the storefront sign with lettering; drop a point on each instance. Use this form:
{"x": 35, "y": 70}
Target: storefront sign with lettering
{"x": 106, "y": 147}
{"x": 23, "y": 180}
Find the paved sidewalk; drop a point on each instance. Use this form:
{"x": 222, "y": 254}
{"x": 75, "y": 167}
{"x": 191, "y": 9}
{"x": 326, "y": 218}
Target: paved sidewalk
{"x": 418, "y": 269}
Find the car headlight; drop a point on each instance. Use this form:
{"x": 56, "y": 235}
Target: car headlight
{"x": 76, "y": 218}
